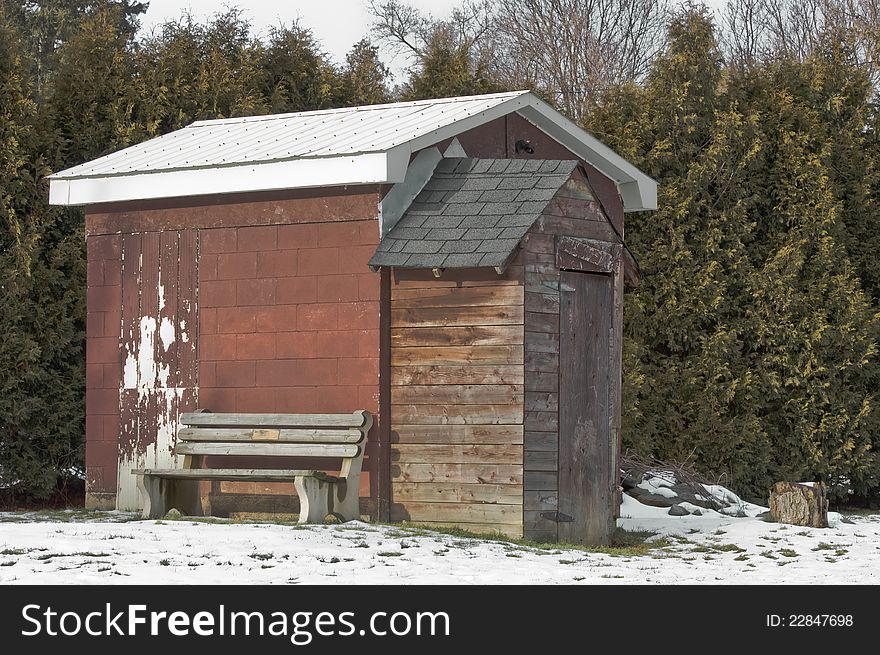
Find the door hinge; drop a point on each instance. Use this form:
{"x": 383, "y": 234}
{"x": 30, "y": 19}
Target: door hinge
{"x": 557, "y": 517}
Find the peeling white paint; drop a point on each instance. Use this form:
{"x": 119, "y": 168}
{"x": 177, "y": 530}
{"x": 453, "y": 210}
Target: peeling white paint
{"x": 130, "y": 372}
{"x": 146, "y": 354}
{"x": 166, "y": 333}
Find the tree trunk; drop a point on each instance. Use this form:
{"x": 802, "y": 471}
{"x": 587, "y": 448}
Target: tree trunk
{"x": 799, "y": 504}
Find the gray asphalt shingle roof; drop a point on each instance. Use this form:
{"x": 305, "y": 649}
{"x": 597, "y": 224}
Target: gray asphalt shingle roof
{"x": 472, "y": 212}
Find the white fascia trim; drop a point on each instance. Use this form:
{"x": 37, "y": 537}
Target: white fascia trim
{"x": 400, "y": 197}
{"x": 638, "y": 191}
{"x": 465, "y": 124}
{"x": 372, "y": 168}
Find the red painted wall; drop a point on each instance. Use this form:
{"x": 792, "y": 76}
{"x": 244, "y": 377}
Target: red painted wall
{"x": 103, "y": 368}
{"x": 288, "y": 309}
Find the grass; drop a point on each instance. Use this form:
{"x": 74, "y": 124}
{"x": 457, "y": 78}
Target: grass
{"x": 623, "y": 543}
{"x": 717, "y": 548}
{"x": 788, "y": 552}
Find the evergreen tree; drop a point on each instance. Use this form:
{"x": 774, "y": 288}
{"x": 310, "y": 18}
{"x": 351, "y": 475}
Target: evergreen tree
{"x": 41, "y": 282}
{"x": 364, "y": 79}
{"x": 297, "y": 76}
{"x": 447, "y": 68}
{"x": 751, "y": 347}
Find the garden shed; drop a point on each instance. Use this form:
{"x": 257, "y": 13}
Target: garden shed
{"x": 455, "y": 267}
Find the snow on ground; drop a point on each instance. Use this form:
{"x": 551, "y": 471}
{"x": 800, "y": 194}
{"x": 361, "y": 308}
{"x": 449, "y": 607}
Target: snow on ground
{"x": 81, "y": 547}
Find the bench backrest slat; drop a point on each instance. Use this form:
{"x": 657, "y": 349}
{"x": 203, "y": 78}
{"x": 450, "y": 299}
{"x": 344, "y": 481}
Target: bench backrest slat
{"x": 263, "y": 449}
{"x": 208, "y": 419}
{"x": 275, "y": 435}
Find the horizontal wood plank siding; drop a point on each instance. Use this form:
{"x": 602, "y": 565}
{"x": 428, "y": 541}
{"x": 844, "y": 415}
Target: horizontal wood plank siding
{"x": 457, "y": 393}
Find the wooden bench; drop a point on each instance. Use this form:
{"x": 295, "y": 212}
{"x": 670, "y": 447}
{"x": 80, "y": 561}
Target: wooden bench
{"x": 338, "y": 436}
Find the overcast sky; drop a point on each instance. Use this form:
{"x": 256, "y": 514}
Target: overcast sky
{"x": 337, "y": 24}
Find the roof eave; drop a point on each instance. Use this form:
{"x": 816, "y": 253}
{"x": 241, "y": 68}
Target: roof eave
{"x": 637, "y": 190}
{"x": 363, "y": 169}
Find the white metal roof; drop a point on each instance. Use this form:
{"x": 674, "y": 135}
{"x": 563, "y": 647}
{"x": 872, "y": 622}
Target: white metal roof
{"x": 358, "y": 145}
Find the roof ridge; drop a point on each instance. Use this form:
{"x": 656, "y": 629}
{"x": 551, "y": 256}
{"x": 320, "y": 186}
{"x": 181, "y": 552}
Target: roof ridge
{"x": 357, "y": 108}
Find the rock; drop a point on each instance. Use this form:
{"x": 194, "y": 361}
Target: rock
{"x": 654, "y": 500}
{"x": 628, "y": 481}
{"x": 799, "y": 504}
{"x": 687, "y": 494}
{"x": 173, "y": 515}
{"x": 697, "y": 512}
{"x": 678, "y": 510}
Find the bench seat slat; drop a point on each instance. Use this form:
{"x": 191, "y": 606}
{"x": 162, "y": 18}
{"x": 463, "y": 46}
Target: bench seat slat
{"x": 284, "y": 435}
{"x": 263, "y": 449}
{"x": 208, "y": 419}
{"x": 246, "y": 475}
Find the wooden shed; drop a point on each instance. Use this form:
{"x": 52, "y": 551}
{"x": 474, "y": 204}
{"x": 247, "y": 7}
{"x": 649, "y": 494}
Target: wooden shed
{"x": 453, "y": 266}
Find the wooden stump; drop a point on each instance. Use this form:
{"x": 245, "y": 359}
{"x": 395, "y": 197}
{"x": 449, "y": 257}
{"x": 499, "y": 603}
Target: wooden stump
{"x": 799, "y": 504}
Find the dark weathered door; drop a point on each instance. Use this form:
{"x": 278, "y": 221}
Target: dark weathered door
{"x": 585, "y": 437}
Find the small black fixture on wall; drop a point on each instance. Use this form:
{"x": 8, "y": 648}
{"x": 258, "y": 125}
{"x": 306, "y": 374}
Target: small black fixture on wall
{"x": 523, "y": 146}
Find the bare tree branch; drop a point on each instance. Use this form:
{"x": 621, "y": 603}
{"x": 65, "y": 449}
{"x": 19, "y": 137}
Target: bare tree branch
{"x": 571, "y": 50}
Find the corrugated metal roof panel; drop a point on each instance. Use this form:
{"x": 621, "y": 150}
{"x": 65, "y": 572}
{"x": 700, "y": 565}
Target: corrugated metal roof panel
{"x": 281, "y": 137}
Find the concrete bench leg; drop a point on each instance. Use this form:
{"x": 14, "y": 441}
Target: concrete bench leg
{"x": 161, "y": 494}
{"x": 314, "y": 499}
{"x": 153, "y": 496}
{"x": 345, "y": 505}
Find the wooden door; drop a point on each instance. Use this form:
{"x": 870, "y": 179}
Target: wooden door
{"x": 586, "y": 447}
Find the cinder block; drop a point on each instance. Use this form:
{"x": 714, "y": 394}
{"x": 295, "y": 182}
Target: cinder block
{"x": 319, "y": 261}
{"x": 337, "y": 288}
{"x": 256, "y": 238}
{"x": 318, "y": 316}
{"x": 369, "y": 286}
{"x": 295, "y": 400}
{"x": 220, "y": 293}
{"x": 234, "y": 374}
{"x": 217, "y": 347}
{"x": 337, "y": 343}
{"x": 237, "y": 266}
{"x": 277, "y": 263}
{"x": 359, "y": 315}
{"x": 358, "y": 372}
{"x": 102, "y": 350}
{"x": 342, "y": 233}
{"x": 356, "y": 259}
{"x": 103, "y": 298}
{"x": 295, "y": 345}
{"x": 255, "y": 346}
{"x": 254, "y": 400}
{"x": 218, "y": 240}
{"x": 277, "y": 318}
{"x": 217, "y": 400}
{"x": 301, "y": 235}
{"x": 236, "y": 320}
{"x": 296, "y": 290}
{"x": 255, "y": 292}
